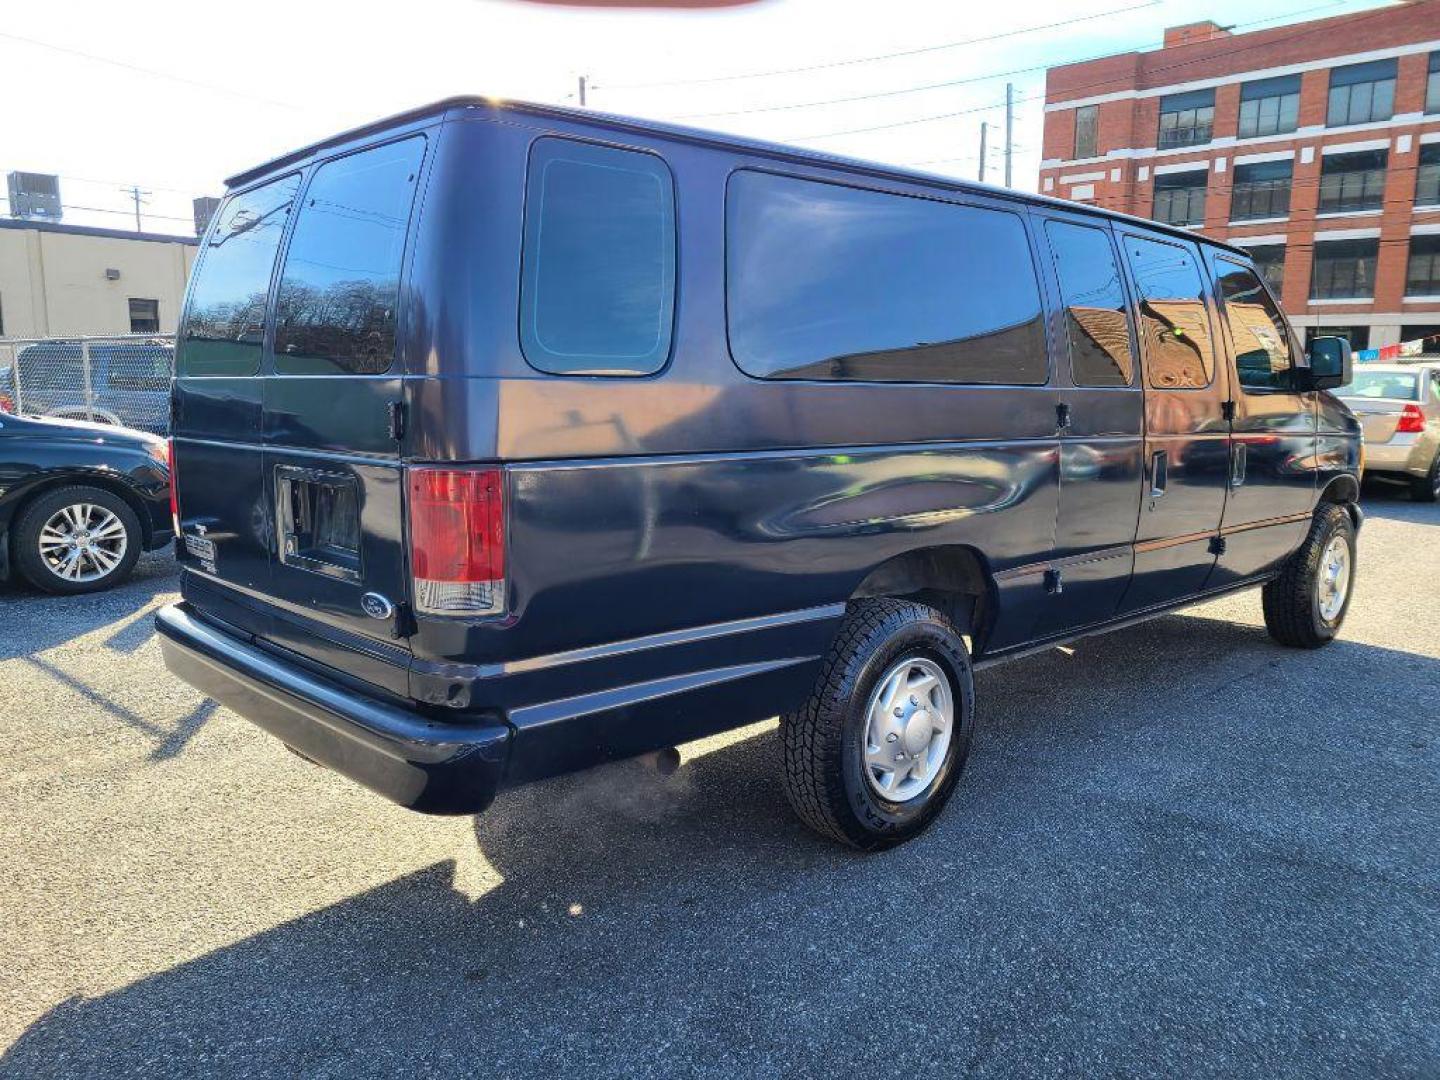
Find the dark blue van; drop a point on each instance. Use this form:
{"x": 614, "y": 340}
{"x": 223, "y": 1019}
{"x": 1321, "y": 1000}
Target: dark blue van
{"x": 511, "y": 439}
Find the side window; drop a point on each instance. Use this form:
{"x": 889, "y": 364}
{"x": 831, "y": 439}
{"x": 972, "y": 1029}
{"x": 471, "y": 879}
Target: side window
{"x": 1095, "y": 318}
{"x": 1264, "y": 349}
{"x": 833, "y": 282}
{"x": 597, "y": 293}
{"x": 341, "y": 283}
{"x": 1174, "y": 325}
{"x": 225, "y": 324}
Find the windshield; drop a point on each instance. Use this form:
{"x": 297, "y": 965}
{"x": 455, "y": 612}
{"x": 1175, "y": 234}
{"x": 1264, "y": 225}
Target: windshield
{"x": 1382, "y": 384}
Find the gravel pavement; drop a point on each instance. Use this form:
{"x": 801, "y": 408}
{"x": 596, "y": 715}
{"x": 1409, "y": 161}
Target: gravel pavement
{"x": 1178, "y": 850}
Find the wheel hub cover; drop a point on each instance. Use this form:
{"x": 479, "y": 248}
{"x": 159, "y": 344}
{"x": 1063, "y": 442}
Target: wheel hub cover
{"x": 918, "y": 730}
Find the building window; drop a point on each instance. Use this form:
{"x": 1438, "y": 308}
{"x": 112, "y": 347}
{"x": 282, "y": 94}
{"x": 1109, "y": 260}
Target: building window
{"x": 1362, "y": 93}
{"x": 1180, "y": 197}
{"x": 1087, "y": 131}
{"x": 1261, "y": 190}
{"x": 1186, "y": 119}
{"x": 1351, "y": 182}
{"x": 1344, "y": 270}
{"x": 1427, "y": 176}
{"x": 2, "y": 320}
{"x": 1358, "y": 336}
{"x": 1269, "y": 106}
{"x": 1432, "y": 85}
{"x": 144, "y": 316}
{"x": 1269, "y": 260}
{"x": 1422, "y": 276}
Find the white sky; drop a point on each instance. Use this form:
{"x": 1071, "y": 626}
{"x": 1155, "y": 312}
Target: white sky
{"x": 175, "y": 95}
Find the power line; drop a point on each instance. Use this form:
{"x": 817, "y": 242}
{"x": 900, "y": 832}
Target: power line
{"x": 878, "y": 56}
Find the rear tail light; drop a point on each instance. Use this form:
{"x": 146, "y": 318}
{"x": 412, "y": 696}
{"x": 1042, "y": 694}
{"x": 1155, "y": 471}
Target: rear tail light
{"x": 1411, "y": 420}
{"x": 7, "y": 404}
{"x": 174, "y": 487}
{"x": 457, "y": 541}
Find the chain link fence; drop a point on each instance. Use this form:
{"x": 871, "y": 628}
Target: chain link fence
{"x": 111, "y": 380}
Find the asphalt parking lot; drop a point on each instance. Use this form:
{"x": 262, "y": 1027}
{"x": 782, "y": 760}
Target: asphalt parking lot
{"x": 1178, "y": 849}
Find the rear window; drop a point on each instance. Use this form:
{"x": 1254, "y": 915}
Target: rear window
{"x": 598, "y": 287}
{"x": 1404, "y": 385}
{"x": 225, "y": 324}
{"x": 339, "y": 291}
{"x": 840, "y": 283}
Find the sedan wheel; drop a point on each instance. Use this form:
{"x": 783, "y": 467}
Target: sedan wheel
{"x": 76, "y": 540}
{"x": 83, "y": 542}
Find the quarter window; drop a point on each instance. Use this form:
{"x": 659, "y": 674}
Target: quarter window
{"x": 839, "y": 283}
{"x": 1362, "y": 93}
{"x": 1174, "y": 325}
{"x": 598, "y": 288}
{"x": 1095, "y": 319}
{"x": 340, "y": 289}
{"x": 225, "y": 324}
{"x": 1264, "y": 349}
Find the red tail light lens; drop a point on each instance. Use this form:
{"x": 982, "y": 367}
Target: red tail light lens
{"x": 7, "y": 404}
{"x": 174, "y": 487}
{"x": 1412, "y": 420}
{"x": 457, "y": 540}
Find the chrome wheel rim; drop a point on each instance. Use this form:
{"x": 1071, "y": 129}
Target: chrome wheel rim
{"x": 908, "y": 726}
{"x": 1334, "y": 579}
{"x": 82, "y": 542}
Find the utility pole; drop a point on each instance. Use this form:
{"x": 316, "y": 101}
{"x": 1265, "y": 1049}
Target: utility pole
{"x": 984, "y": 127}
{"x": 138, "y": 196}
{"x": 1009, "y": 127}
{"x": 582, "y": 91}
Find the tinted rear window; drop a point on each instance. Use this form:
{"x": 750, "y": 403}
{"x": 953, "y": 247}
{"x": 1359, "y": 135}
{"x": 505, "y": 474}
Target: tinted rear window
{"x": 1404, "y": 385}
{"x": 832, "y": 282}
{"x": 598, "y": 287}
{"x": 1096, "y": 322}
{"x": 340, "y": 288}
{"x": 1174, "y": 321}
{"x": 225, "y": 324}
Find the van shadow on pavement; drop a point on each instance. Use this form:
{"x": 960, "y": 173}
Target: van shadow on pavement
{"x": 1179, "y": 849}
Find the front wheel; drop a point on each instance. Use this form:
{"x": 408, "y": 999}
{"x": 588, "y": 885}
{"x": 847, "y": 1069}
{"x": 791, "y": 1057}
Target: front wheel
{"x": 1306, "y": 604}
{"x": 874, "y": 754}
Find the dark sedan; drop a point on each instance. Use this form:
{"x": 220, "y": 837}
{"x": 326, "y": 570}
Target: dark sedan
{"x": 79, "y": 502}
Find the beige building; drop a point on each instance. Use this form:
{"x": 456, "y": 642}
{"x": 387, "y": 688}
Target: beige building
{"x": 63, "y": 280}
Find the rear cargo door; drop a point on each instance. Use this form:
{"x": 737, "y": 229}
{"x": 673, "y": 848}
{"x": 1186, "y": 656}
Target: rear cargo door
{"x": 216, "y": 404}
{"x": 333, "y": 409}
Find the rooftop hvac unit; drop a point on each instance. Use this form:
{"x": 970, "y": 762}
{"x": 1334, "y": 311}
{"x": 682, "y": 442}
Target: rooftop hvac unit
{"x": 205, "y": 208}
{"x": 35, "y": 195}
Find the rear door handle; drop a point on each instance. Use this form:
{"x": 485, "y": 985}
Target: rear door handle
{"x": 1238, "y": 457}
{"x": 1159, "y": 473}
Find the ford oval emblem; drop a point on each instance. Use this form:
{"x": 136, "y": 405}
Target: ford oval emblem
{"x": 376, "y": 606}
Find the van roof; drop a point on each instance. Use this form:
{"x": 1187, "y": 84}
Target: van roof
{"x": 703, "y": 137}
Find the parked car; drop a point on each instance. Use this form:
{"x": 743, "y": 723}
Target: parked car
{"x": 79, "y": 502}
{"x": 1399, "y": 408}
{"x": 129, "y": 382}
{"x": 623, "y": 435}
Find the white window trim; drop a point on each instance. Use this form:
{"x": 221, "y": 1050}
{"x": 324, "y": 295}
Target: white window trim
{"x": 1257, "y": 241}
{"x": 1275, "y": 155}
{"x": 1356, "y": 147}
{"x": 1242, "y": 222}
{"x": 1337, "y": 300}
{"x": 1184, "y": 166}
{"x": 1348, "y": 213}
{"x": 1347, "y": 234}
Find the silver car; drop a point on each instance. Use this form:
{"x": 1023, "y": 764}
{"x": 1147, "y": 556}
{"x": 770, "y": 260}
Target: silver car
{"x": 1399, "y": 406}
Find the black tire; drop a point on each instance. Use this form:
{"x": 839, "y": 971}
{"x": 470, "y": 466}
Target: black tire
{"x": 1427, "y": 488}
{"x": 25, "y": 539}
{"x": 1292, "y": 600}
{"x": 822, "y": 743}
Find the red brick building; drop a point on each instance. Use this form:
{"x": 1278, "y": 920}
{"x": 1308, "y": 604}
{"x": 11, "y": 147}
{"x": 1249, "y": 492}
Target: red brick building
{"x": 1316, "y": 145}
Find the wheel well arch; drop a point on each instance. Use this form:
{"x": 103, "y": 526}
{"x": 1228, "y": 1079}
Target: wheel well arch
{"x": 1343, "y": 490}
{"x": 81, "y": 479}
{"x": 954, "y": 578}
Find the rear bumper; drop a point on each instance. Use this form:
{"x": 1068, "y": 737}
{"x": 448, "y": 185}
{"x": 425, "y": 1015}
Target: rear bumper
{"x": 1410, "y": 454}
{"x": 402, "y": 754}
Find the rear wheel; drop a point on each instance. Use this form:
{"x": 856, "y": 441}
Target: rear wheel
{"x": 1306, "y": 604}
{"x": 1427, "y": 488}
{"x": 76, "y": 540}
{"x": 874, "y": 754}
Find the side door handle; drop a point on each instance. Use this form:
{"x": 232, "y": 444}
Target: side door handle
{"x": 1159, "y": 473}
{"x": 1238, "y": 457}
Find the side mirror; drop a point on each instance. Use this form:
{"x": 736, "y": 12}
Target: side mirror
{"x": 1332, "y": 363}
